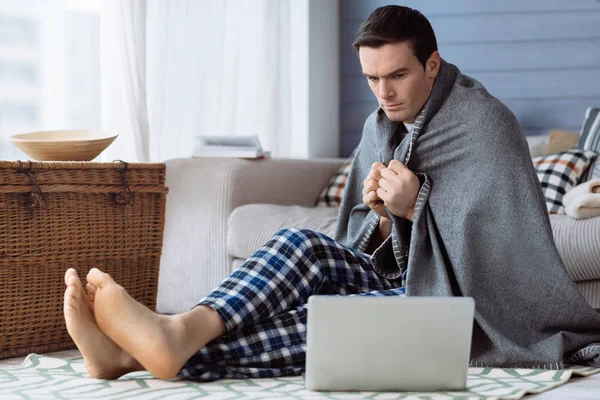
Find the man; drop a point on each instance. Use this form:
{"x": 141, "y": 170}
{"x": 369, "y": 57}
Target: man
{"x": 442, "y": 199}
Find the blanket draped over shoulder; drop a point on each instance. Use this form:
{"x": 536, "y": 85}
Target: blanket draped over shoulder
{"x": 481, "y": 228}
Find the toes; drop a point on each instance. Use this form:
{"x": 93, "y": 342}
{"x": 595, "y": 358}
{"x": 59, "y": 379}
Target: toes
{"x": 73, "y": 280}
{"x": 71, "y": 298}
{"x": 70, "y": 272}
{"x": 91, "y": 289}
{"x": 98, "y": 278}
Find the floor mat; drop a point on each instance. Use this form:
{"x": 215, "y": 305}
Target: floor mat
{"x": 51, "y": 378}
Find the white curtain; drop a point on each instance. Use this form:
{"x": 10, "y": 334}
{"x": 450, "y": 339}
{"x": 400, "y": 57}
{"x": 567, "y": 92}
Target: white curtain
{"x": 173, "y": 70}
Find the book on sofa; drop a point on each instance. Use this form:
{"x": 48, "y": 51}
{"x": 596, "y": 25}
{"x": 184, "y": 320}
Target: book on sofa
{"x": 229, "y": 146}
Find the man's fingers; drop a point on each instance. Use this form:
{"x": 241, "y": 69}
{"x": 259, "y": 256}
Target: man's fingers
{"x": 375, "y": 203}
{"x": 379, "y": 208}
{"x": 372, "y": 198}
{"x": 377, "y": 166}
{"x": 374, "y": 173}
{"x": 388, "y": 174}
{"x": 397, "y": 167}
{"x": 384, "y": 184}
{"x": 370, "y": 186}
{"x": 383, "y": 195}
{"x": 379, "y": 172}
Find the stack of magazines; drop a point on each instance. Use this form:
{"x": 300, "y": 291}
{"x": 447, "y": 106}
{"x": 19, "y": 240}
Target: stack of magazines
{"x": 229, "y": 146}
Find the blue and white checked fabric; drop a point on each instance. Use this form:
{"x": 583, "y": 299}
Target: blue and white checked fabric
{"x": 263, "y": 304}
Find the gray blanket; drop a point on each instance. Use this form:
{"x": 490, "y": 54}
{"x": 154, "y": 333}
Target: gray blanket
{"x": 481, "y": 228}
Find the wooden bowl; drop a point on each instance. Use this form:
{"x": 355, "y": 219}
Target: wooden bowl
{"x": 63, "y": 145}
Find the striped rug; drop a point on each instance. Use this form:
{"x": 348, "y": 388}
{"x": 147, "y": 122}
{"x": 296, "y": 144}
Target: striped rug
{"x": 51, "y": 378}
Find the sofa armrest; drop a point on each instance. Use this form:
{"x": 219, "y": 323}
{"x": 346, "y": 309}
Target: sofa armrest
{"x": 577, "y": 243}
{"x": 202, "y": 194}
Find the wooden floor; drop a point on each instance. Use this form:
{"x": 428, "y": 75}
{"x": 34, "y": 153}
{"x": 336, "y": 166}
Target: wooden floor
{"x": 576, "y": 389}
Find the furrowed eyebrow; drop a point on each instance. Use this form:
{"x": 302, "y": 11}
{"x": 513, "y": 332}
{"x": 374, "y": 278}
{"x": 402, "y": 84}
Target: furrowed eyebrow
{"x": 394, "y": 72}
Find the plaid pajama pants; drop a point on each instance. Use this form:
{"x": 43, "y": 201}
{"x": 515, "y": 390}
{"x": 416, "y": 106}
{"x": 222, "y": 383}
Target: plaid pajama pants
{"x": 263, "y": 304}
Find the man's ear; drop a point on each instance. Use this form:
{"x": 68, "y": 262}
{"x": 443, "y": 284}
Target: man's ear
{"x": 432, "y": 66}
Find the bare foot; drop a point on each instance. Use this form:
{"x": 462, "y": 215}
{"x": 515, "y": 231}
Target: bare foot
{"x": 103, "y": 358}
{"x": 91, "y": 290}
{"x": 161, "y": 343}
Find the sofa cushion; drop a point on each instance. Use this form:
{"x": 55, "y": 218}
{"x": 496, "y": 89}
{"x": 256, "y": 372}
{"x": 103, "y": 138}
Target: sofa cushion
{"x": 577, "y": 242}
{"x": 561, "y": 141}
{"x": 590, "y": 137}
{"x": 251, "y": 226}
{"x": 590, "y": 291}
{"x": 537, "y": 144}
{"x": 560, "y": 172}
{"x": 331, "y": 195}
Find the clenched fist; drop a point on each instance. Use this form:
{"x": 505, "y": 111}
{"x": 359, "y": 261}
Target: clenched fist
{"x": 394, "y": 186}
{"x": 370, "y": 187}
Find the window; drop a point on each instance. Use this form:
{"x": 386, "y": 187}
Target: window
{"x": 49, "y": 67}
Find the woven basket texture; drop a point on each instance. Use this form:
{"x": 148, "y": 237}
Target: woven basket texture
{"x": 60, "y": 215}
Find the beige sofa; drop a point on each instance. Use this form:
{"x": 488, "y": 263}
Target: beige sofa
{"x": 219, "y": 211}
{"x": 206, "y": 228}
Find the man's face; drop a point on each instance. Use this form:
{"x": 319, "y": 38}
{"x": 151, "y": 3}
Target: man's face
{"x": 398, "y": 80}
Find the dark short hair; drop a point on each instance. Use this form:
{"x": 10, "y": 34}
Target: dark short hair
{"x": 390, "y": 24}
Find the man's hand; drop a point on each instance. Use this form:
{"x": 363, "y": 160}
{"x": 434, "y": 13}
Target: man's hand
{"x": 370, "y": 188}
{"x": 398, "y": 188}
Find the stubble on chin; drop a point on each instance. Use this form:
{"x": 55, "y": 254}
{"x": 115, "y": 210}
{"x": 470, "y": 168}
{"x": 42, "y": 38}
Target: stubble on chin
{"x": 394, "y": 117}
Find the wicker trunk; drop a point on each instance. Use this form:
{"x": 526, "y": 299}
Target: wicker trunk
{"x": 57, "y": 215}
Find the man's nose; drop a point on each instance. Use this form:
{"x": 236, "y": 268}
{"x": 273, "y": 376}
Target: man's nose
{"x": 385, "y": 89}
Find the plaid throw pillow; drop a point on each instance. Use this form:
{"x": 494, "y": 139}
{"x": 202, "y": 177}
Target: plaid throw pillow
{"x": 560, "y": 172}
{"x": 590, "y": 139}
{"x": 331, "y": 195}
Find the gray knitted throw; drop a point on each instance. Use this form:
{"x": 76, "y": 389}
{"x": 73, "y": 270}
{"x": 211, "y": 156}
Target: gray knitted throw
{"x": 481, "y": 228}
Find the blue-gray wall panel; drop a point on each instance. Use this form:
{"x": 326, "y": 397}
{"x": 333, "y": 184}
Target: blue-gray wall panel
{"x": 541, "y": 58}
{"x": 509, "y": 85}
{"x": 533, "y": 114}
{"x": 567, "y": 54}
{"x": 483, "y": 28}
{"x": 360, "y": 9}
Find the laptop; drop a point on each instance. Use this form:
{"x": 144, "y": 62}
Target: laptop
{"x": 359, "y": 343}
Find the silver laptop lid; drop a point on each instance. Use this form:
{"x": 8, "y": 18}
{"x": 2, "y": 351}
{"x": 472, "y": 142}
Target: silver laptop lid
{"x": 388, "y": 343}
